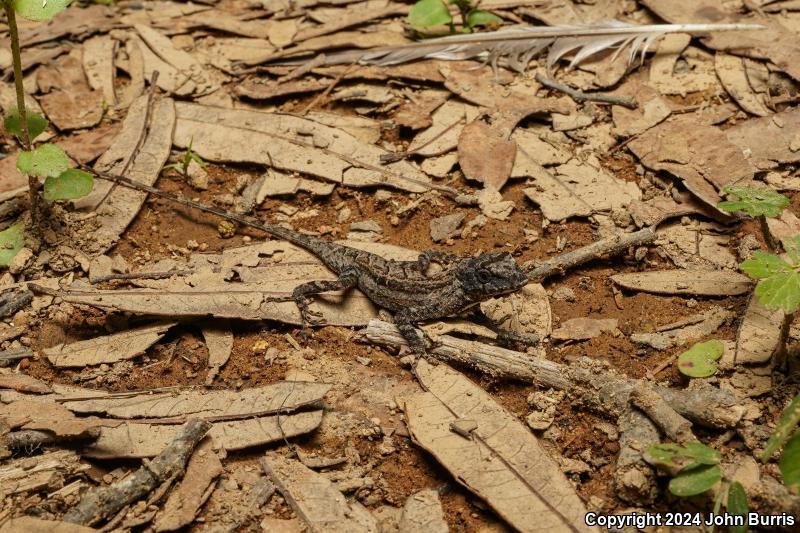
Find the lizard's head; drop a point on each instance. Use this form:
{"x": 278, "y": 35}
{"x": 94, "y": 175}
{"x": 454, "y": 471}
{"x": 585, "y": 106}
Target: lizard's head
{"x": 490, "y": 275}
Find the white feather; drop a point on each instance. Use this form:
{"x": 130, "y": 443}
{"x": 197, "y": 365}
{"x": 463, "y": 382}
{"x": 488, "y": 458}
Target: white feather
{"x": 519, "y": 44}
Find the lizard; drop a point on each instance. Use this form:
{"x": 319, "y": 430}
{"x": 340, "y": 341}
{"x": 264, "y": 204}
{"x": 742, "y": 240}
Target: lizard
{"x": 401, "y": 287}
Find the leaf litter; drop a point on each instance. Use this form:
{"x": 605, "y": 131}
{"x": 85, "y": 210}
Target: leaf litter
{"x": 499, "y": 160}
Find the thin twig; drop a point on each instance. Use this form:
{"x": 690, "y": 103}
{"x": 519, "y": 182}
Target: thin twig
{"x": 392, "y": 157}
{"x": 329, "y": 88}
{"x": 579, "y": 96}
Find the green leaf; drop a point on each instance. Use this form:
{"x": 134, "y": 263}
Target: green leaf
{"x": 47, "y": 160}
{"x": 40, "y": 9}
{"x": 693, "y": 481}
{"x": 479, "y": 17}
{"x": 737, "y": 505}
{"x": 789, "y": 463}
{"x": 690, "y": 455}
{"x": 36, "y": 123}
{"x": 698, "y": 361}
{"x": 70, "y": 184}
{"x": 792, "y": 247}
{"x": 11, "y": 240}
{"x": 702, "y": 454}
{"x": 780, "y": 291}
{"x": 786, "y": 425}
{"x": 755, "y": 202}
{"x": 427, "y": 13}
{"x": 763, "y": 265}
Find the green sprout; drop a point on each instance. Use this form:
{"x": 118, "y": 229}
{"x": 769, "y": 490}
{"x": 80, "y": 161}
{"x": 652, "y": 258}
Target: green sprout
{"x": 182, "y": 165}
{"x": 427, "y": 14}
{"x": 786, "y": 434}
{"x": 759, "y": 204}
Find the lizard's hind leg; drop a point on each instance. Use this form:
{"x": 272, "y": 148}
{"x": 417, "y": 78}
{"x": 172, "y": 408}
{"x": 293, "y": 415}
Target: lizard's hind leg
{"x": 302, "y": 293}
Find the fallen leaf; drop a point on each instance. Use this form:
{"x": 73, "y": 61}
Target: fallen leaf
{"x": 695, "y": 282}
{"x": 651, "y": 110}
{"x": 69, "y": 102}
{"x": 416, "y": 113}
{"x": 219, "y": 341}
{"x": 46, "y": 415}
{"x": 108, "y": 348}
{"x": 86, "y": 146}
{"x": 24, "y": 383}
{"x": 501, "y": 460}
{"x": 315, "y": 499}
{"x": 423, "y": 512}
{"x": 485, "y": 154}
{"x": 699, "y": 245}
{"x": 769, "y": 141}
{"x": 30, "y": 524}
{"x": 759, "y": 334}
{"x": 731, "y": 72}
{"x": 525, "y": 312}
{"x": 98, "y": 64}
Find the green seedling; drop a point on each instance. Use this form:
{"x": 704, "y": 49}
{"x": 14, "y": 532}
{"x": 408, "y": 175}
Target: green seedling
{"x": 699, "y": 361}
{"x": 759, "y": 204}
{"x": 695, "y": 466}
{"x": 45, "y": 161}
{"x": 426, "y": 14}
{"x": 182, "y": 165}
{"x": 786, "y": 434}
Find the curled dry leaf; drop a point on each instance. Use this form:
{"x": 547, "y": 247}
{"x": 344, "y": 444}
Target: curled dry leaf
{"x": 291, "y": 143}
{"x": 695, "y": 282}
{"x": 485, "y": 154}
{"x": 219, "y": 341}
{"x": 98, "y": 64}
{"x": 108, "y": 348}
{"x": 500, "y": 461}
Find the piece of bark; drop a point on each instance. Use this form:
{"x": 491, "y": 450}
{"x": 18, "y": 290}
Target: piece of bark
{"x": 46, "y": 471}
{"x": 29, "y": 524}
{"x": 579, "y": 329}
{"x": 108, "y": 348}
{"x": 634, "y": 479}
{"x": 423, "y": 512}
{"x": 24, "y": 383}
{"x": 500, "y": 460}
{"x": 100, "y": 503}
{"x": 315, "y": 499}
{"x": 185, "y": 501}
{"x": 602, "y": 390}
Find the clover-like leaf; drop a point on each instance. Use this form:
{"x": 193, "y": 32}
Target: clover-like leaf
{"x": 480, "y": 17}
{"x": 698, "y": 361}
{"x": 679, "y": 457}
{"x": 786, "y": 425}
{"x": 789, "y": 463}
{"x": 11, "y": 240}
{"x": 737, "y": 505}
{"x": 693, "y": 481}
{"x": 70, "y": 184}
{"x": 36, "y": 123}
{"x": 40, "y": 10}
{"x": 763, "y": 265}
{"x": 426, "y": 13}
{"x": 45, "y": 161}
{"x": 781, "y": 291}
{"x": 755, "y": 202}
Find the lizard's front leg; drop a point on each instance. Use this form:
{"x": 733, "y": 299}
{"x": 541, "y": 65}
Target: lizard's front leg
{"x": 301, "y": 294}
{"x": 427, "y": 257}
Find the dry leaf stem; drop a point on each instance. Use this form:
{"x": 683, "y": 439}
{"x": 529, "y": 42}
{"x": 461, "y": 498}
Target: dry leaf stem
{"x": 580, "y": 96}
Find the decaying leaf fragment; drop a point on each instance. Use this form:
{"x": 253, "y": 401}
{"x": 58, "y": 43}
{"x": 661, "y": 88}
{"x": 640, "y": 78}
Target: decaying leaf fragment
{"x": 686, "y": 330}
{"x": 108, "y": 348}
{"x": 502, "y": 462}
{"x": 759, "y": 333}
{"x": 219, "y": 341}
{"x": 315, "y": 499}
{"x": 697, "y": 282}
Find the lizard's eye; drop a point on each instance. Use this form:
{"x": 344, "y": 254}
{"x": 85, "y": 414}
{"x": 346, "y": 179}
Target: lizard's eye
{"x": 483, "y": 276}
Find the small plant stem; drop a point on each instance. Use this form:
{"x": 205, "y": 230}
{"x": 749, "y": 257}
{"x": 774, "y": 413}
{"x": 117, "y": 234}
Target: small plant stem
{"x": 772, "y": 244}
{"x": 781, "y": 353}
{"x": 16, "y": 55}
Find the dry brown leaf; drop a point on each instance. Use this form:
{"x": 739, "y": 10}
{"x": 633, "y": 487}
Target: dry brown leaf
{"x": 700, "y": 154}
{"x": 75, "y": 23}
{"x": 292, "y": 143}
{"x": 697, "y": 245}
{"x": 759, "y": 334}
{"x": 651, "y": 110}
{"x": 257, "y": 89}
{"x": 108, "y": 348}
{"x": 447, "y": 122}
{"x": 46, "y": 415}
{"x": 423, "y": 512}
{"x": 654, "y": 210}
{"x": 347, "y": 17}
{"x": 98, "y": 64}
{"x": 731, "y": 72}
{"x": 132, "y": 440}
{"x": 88, "y": 145}
{"x": 185, "y": 501}
{"x": 696, "y": 282}
{"x": 540, "y": 146}
{"x": 784, "y": 226}
{"x": 315, "y": 499}
{"x": 216, "y": 404}
{"x": 135, "y": 69}
{"x": 416, "y": 113}
{"x": 24, "y": 383}
{"x": 579, "y": 329}
{"x": 122, "y": 205}
{"x": 769, "y": 141}
{"x": 224, "y": 21}
{"x": 485, "y": 154}
{"x": 179, "y": 72}
{"x": 219, "y": 341}
{"x": 69, "y": 102}
{"x": 697, "y": 76}
{"x": 500, "y": 460}
{"x": 701, "y": 326}
{"x": 579, "y": 188}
